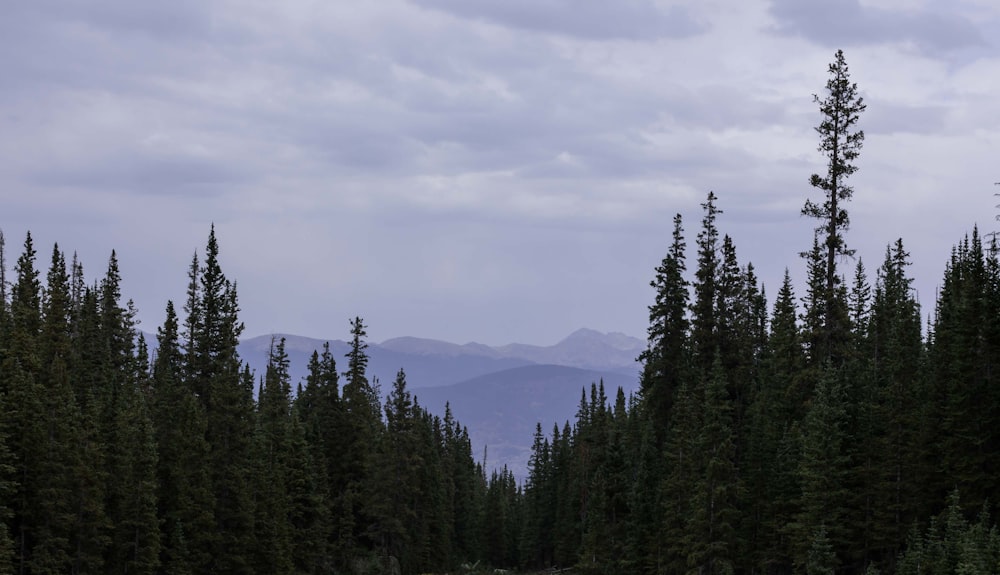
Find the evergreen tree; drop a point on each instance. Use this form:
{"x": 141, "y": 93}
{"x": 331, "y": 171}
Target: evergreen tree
{"x": 953, "y": 545}
{"x": 125, "y": 431}
{"x": 91, "y": 384}
{"x": 469, "y": 490}
{"x": 136, "y": 528}
{"x": 320, "y": 410}
{"x": 617, "y": 475}
{"x": 704, "y": 323}
{"x": 665, "y": 356}
{"x": 713, "y": 520}
{"x": 7, "y": 469}
{"x": 501, "y": 518}
{"x": 272, "y": 537}
{"x": 24, "y": 398}
{"x": 392, "y": 493}
{"x": 859, "y": 304}
{"x": 225, "y": 389}
{"x": 823, "y": 473}
{"x": 308, "y": 507}
{"x": 678, "y": 487}
{"x": 840, "y": 143}
{"x": 786, "y": 359}
{"x": 185, "y": 500}
{"x": 891, "y": 477}
{"x": 813, "y": 315}
{"x": 536, "y": 546}
{"x": 4, "y": 302}
{"x": 7, "y": 491}
{"x": 363, "y": 426}
{"x": 960, "y": 415}
{"x": 193, "y": 324}
{"x": 434, "y": 510}
{"x": 567, "y": 527}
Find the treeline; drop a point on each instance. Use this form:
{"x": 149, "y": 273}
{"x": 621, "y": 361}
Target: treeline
{"x": 834, "y": 434}
{"x": 762, "y": 443}
{"x": 116, "y": 459}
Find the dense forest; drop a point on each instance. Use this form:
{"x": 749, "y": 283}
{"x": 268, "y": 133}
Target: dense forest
{"x": 829, "y": 432}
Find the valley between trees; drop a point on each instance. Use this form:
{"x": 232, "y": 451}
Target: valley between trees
{"x": 830, "y": 432}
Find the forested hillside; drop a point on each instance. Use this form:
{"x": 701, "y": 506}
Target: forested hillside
{"x": 833, "y": 431}
{"x": 113, "y": 461}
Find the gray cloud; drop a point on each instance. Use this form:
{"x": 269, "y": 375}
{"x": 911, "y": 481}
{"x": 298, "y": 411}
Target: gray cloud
{"x": 146, "y": 174}
{"x": 492, "y": 171}
{"x": 886, "y": 118}
{"x": 627, "y": 19}
{"x": 837, "y": 23}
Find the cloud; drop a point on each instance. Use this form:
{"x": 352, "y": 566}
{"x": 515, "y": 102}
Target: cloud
{"x": 839, "y": 23}
{"x": 591, "y": 19}
{"x": 145, "y": 174}
{"x": 887, "y": 118}
{"x": 505, "y": 154}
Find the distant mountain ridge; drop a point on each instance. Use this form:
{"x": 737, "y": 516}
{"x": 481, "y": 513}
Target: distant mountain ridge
{"x": 584, "y": 348}
{"x": 431, "y": 362}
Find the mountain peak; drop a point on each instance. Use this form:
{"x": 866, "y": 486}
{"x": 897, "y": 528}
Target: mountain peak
{"x": 584, "y": 332}
{"x": 614, "y": 339}
{"x": 585, "y": 335}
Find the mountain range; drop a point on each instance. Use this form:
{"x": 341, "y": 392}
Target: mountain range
{"x": 499, "y": 393}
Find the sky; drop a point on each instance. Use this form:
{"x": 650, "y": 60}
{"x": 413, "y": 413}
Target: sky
{"x": 473, "y": 170}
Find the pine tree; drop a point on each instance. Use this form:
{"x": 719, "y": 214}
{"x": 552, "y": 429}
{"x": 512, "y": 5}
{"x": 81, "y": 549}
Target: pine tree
{"x": 125, "y": 431}
{"x": 888, "y": 445}
{"x": 616, "y": 475}
{"x": 823, "y": 471}
{"x": 469, "y": 490}
{"x": 536, "y": 543}
{"x": 320, "y": 410}
{"x": 678, "y": 486}
{"x": 4, "y": 301}
{"x": 814, "y": 311}
{"x": 840, "y": 143}
{"x": 8, "y": 486}
{"x": 225, "y": 389}
{"x": 501, "y": 511}
{"x": 47, "y": 419}
{"x": 960, "y": 417}
{"x": 90, "y": 382}
{"x": 953, "y": 545}
{"x": 7, "y": 491}
{"x": 566, "y": 528}
{"x": 193, "y": 324}
{"x": 363, "y": 427}
{"x": 713, "y": 520}
{"x": 272, "y": 538}
{"x": 185, "y": 500}
{"x": 433, "y": 508}
{"x": 821, "y": 560}
{"x": 136, "y": 528}
{"x": 704, "y": 323}
{"x": 666, "y": 353}
{"x": 772, "y": 453}
{"x": 786, "y": 359}
{"x": 859, "y": 305}
{"x": 308, "y": 507}
{"x": 392, "y": 491}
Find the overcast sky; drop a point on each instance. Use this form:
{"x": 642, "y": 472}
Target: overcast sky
{"x": 474, "y": 170}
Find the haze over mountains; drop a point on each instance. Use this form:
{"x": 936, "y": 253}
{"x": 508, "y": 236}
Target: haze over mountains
{"x": 499, "y": 393}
